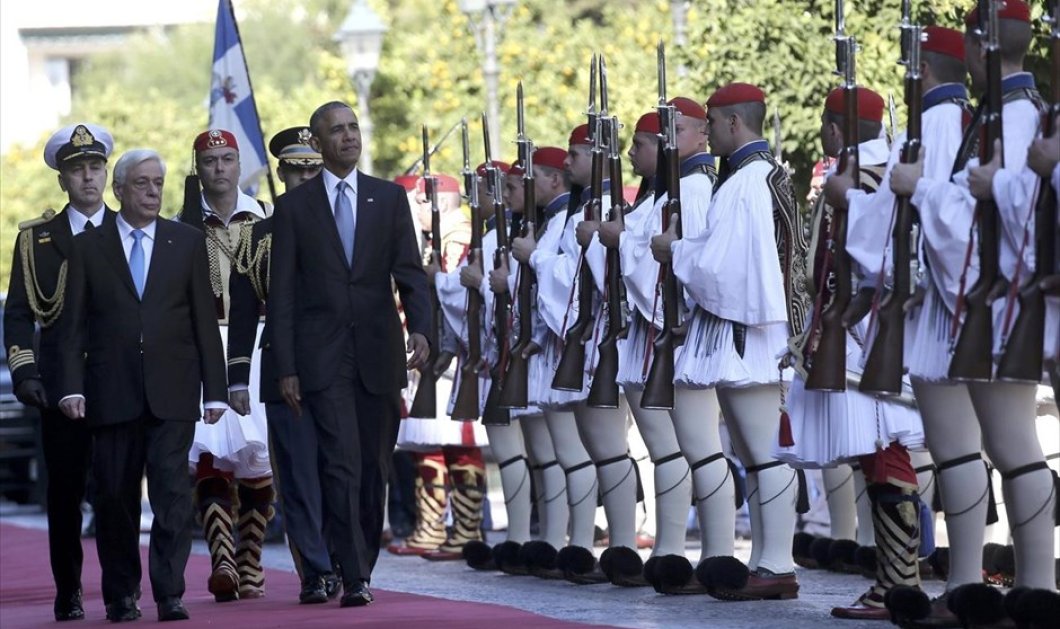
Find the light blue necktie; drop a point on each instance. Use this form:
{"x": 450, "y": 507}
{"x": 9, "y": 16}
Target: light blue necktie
{"x": 136, "y": 262}
{"x": 344, "y": 220}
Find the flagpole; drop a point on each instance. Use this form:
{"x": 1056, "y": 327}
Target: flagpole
{"x": 250, "y": 85}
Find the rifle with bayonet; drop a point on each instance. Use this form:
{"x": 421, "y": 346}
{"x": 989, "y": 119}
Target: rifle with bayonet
{"x": 570, "y": 373}
{"x": 425, "y": 404}
{"x": 494, "y": 415}
{"x": 827, "y": 369}
{"x": 973, "y": 355}
{"x": 515, "y": 378}
{"x": 1022, "y": 349}
{"x": 659, "y": 385}
{"x": 604, "y": 391}
{"x": 884, "y": 365}
{"x": 466, "y": 404}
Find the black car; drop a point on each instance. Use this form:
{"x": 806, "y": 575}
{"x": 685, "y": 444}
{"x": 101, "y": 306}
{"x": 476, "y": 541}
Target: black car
{"x": 21, "y": 457}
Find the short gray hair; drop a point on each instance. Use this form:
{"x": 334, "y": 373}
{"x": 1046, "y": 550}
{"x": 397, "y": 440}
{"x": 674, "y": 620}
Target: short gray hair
{"x": 314, "y": 120}
{"x": 133, "y": 158}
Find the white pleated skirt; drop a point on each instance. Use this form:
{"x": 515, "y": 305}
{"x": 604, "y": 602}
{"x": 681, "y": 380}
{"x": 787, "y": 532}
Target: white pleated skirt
{"x": 634, "y": 355}
{"x": 419, "y": 434}
{"x": 239, "y": 445}
{"x": 708, "y": 357}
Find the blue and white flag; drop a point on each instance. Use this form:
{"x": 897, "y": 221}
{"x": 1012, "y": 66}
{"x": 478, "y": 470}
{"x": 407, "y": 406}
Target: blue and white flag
{"x": 232, "y": 104}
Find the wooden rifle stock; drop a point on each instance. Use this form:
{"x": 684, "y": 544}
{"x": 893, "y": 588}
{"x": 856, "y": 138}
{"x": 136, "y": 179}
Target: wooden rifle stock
{"x": 466, "y": 404}
{"x": 604, "y": 390}
{"x": 973, "y": 355}
{"x": 827, "y": 370}
{"x": 659, "y": 386}
{"x": 1023, "y": 353}
{"x": 515, "y": 380}
{"x": 884, "y": 366}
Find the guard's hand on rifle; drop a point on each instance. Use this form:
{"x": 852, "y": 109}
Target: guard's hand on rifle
{"x": 31, "y": 393}
{"x": 584, "y": 232}
{"x": 859, "y": 306}
{"x": 981, "y": 178}
{"x": 524, "y": 246}
{"x": 531, "y": 349}
{"x": 432, "y": 268}
{"x": 1050, "y": 285}
{"x": 916, "y": 300}
{"x": 837, "y": 186}
{"x": 471, "y": 275}
{"x": 660, "y": 245}
{"x": 1044, "y": 153}
{"x": 419, "y": 349}
{"x": 499, "y": 280}
{"x": 905, "y": 176}
{"x": 611, "y": 233}
{"x": 441, "y": 364}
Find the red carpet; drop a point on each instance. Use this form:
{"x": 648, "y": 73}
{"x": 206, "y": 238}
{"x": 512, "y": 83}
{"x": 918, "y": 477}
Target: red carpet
{"x": 26, "y": 594}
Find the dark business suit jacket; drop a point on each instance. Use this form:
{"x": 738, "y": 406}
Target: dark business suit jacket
{"x": 157, "y": 355}
{"x": 52, "y": 244}
{"x": 317, "y": 300}
{"x": 243, "y": 314}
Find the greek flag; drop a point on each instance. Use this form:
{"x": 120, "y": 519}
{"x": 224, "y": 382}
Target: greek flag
{"x": 232, "y": 104}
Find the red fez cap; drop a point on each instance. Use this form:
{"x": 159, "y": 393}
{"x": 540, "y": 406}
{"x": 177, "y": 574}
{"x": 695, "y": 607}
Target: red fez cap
{"x": 1009, "y": 10}
{"x": 870, "y": 104}
{"x": 688, "y": 107}
{"x": 944, "y": 41}
{"x": 516, "y": 170}
{"x": 550, "y": 156}
{"x": 213, "y": 139}
{"x": 408, "y": 182}
{"x": 445, "y": 183}
{"x": 503, "y": 166}
{"x": 580, "y": 135}
{"x": 736, "y": 93}
{"x": 648, "y": 123}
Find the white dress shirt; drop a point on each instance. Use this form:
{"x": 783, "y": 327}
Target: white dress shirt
{"x": 79, "y": 220}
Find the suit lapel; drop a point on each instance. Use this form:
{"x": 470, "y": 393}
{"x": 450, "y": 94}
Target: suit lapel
{"x": 62, "y": 237}
{"x": 325, "y": 217}
{"x": 115, "y": 254}
{"x": 159, "y": 252}
{"x": 366, "y": 215}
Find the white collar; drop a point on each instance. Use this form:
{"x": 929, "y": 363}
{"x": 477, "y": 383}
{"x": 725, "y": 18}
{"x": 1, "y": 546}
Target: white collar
{"x": 331, "y": 180}
{"x": 125, "y": 229}
{"x": 79, "y": 220}
{"x": 244, "y": 203}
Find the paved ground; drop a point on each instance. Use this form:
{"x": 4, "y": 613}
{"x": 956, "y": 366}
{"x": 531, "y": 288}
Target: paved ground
{"x": 596, "y": 604}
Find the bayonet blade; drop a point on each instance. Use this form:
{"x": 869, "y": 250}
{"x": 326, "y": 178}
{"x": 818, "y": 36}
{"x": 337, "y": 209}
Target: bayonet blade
{"x": 603, "y": 86}
{"x": 426, "y": 154}
{"x": 660, "y": 62}
{"x": 486, "y": 139}
{"x": 892, "y": 115}
{"x": 592, "y": 86}
{"x": 520, "y": 121}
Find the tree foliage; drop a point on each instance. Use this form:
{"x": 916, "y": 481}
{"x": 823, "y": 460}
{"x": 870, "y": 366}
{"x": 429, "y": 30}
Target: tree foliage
{"x": 154, "y": 91}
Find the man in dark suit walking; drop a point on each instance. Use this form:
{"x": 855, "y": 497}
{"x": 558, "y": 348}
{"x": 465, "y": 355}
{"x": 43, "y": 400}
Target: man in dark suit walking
{"x": 339, "y": 241}
{"x": 79, "y": 153}
{"x": 147, "y": 329}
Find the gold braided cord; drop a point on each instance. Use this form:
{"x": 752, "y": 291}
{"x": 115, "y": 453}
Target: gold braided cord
{"x": 46, "y": 309}
{"x": 262, "y": 268}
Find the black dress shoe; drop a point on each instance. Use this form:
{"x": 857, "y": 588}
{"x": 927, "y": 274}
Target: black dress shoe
{"x": 332, "y": 585}
{"x": 124, "y": 609}
{"x": 356, "y": 595}
{"x": 313, "y": 591}
{"x": 69, "y": 607}
{"x": 171, "y": 608}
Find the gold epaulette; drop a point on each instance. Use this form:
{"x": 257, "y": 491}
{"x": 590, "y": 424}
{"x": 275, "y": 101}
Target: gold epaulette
{"x": 48, "y": 215}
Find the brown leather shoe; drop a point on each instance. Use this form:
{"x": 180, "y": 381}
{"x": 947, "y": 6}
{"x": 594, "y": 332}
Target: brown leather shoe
{"x": 869, "y": 606}
{"x": 443, "y": 554}
{"x": 940, "y": 617}
{"x": 761, "y": 585}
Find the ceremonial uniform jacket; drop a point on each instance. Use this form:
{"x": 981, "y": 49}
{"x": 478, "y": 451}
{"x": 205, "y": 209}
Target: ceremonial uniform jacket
{"x": 38, "y": 274}
{"x": 947, "y": 207}
{"x": 744, "y": 266}
{"x": 639, "y": 268}
{"x": 869, "y": 227}
{"x": 248, "y": 290}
